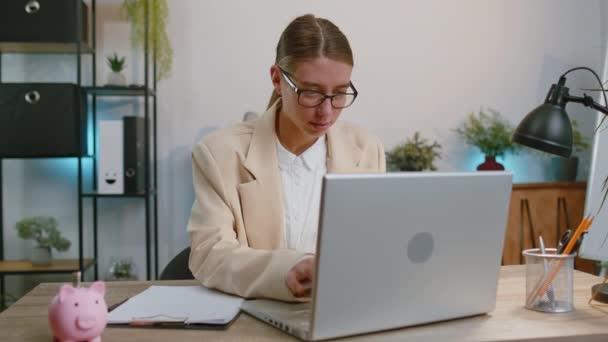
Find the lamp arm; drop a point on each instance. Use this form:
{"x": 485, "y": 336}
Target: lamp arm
{"x": 587, "y": 101}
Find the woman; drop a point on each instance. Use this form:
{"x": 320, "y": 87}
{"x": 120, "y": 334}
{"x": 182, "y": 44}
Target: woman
{"x": 254, "y": 220}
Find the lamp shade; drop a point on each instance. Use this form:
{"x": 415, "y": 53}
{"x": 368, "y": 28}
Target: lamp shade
{"x": 546, "y": 128}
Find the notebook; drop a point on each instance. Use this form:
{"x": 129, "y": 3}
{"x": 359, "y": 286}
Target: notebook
{"x": 175, "y": 306}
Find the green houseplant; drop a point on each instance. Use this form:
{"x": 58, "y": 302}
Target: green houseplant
{"x": 117, "y": 65}
{"x": 565, "y": 169}
{"x": 415, "y": 154}
{"x": 158, "y": 41}
{"x": 580, "y": 143}
{"x": 121, "y": 269}
{"x": 43, "y": 230}
{"x": 491, "y": 133}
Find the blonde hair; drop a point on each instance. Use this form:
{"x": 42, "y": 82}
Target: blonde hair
{"x": 308, "y": 37}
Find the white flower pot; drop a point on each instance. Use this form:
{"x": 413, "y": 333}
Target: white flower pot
{"x": 116, "y": 79}
{"x": 41, "y": 256}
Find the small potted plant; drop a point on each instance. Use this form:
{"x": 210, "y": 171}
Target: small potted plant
{"x": 44, "y": 231}
{"x": 416, "y": 154}
{"x": 565, "y": 169}
{"x": 121, "y": 269}
{"x": 117, "y": 65}
{"x": 491, "y": 133}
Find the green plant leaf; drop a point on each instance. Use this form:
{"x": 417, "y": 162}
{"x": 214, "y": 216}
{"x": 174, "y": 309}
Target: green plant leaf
{"x": 43, "y": 230}
{"x": 416, "y": 154}
{"x": 158, "y": 40}
{"x": 116, "y": 63}
{"x": 579, "y": 142}
{"x": 491, "y": 133}
{"x": 605, "y": 191}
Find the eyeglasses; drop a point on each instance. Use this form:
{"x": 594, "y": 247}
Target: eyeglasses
{"x": 311, "y": 98}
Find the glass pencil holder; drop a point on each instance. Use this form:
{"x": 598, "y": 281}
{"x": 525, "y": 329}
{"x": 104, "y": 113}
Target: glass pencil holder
{"x": 549, "y": 280}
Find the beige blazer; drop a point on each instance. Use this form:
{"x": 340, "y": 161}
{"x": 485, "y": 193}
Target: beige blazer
{"x": 236, "y": 224}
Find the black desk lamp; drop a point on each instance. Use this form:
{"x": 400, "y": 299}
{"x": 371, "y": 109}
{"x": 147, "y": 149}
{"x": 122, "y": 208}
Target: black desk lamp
{"x": 548, "y": 128}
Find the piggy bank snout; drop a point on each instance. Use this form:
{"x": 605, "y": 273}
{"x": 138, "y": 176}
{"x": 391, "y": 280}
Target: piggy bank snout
{"x": 85, "y": 322}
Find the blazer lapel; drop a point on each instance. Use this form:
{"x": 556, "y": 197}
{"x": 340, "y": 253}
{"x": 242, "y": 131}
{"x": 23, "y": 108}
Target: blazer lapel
{"x": 262, "y": 198}
{"x": 343, "y": 156}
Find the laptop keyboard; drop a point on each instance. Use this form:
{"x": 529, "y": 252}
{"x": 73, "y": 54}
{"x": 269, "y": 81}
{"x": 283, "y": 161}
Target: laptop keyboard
{"x": 301, "y": 314}
{"x": 297, "y": 315}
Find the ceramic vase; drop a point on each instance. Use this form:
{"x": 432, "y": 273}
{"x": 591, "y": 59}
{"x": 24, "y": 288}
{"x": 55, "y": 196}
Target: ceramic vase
{"x": 490, "y": 164}
{"x": 41, "y": 256}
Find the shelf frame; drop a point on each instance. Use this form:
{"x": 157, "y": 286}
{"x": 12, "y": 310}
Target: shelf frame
{"x": 122, "y": 195}
{"x": 78, "y": 49}
{"x": 148, "y": 91}
{"x": 16, "y": 267}
{"x": 149, "y": 94}
{"x": 45, "y": 48}
{"x": 120, "y": 91}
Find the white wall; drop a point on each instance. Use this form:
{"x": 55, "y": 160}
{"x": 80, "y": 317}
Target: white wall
{"x": 419, "y": 65}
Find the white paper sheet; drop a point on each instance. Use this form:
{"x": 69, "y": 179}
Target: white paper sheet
{"x": 188, "y": 304}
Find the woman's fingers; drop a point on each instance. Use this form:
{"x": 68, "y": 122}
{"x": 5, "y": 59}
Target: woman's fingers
{"x": 296, "y": 286}
{"x": 299, "y": 278}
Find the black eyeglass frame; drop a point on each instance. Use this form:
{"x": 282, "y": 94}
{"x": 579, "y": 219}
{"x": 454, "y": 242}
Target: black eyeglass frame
{"x": 299, "y": 91}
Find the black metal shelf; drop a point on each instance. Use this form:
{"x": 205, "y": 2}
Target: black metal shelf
{"x": 79, "y": 49}
{"x": 120, "y": 91}
{"x": 46, "y": 157}
{"x": 133, "y": 195}
{"x": 45, "y": 48}
{"x": 147, "y": 92}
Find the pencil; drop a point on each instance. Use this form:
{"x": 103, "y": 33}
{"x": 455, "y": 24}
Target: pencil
{"x": 543, "y": 285}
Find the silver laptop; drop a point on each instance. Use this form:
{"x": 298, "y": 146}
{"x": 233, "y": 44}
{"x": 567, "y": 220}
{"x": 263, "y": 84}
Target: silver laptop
{"x": 400, "y": 249}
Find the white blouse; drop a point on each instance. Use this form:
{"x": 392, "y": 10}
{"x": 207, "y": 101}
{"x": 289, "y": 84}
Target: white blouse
{"x": 302, "y": 178}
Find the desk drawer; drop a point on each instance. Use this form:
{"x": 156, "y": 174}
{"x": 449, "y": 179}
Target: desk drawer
{"x": 42, "y": 120}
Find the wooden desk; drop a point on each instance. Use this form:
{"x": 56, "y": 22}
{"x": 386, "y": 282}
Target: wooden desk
{"x": 26, "y": 320}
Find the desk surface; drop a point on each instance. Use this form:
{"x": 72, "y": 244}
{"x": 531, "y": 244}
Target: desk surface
{"x": 26, "y": 320}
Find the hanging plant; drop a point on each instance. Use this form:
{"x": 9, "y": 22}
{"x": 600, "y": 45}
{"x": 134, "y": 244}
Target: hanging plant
{"x": 158, "y": 41}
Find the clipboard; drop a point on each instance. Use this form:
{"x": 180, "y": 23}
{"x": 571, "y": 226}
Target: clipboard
{"x": 168, "y": 324}
{"x": 197, "y": 308}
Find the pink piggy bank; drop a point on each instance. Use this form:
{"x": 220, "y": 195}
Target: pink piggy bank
{"x": 79, "y": 313}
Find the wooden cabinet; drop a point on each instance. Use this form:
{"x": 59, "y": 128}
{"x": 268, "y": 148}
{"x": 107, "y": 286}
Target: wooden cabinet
{"x": 547, "y": 209}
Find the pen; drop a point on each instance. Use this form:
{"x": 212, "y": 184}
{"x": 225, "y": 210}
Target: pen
{"x": 550, "y": 292}
{"x": 563, "y": 241}
{"x": 155, "y": 323}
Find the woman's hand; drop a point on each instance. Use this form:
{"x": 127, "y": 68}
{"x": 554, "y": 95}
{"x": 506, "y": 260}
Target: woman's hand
{"x": 300, "y": 277}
